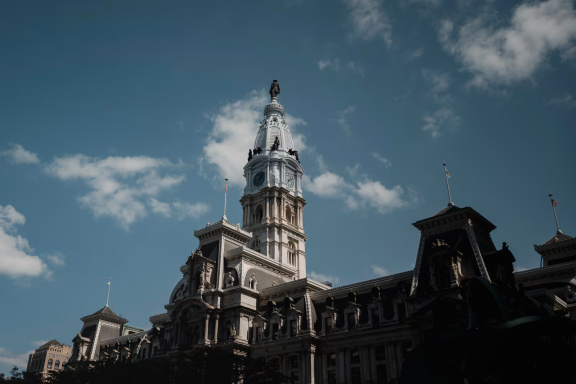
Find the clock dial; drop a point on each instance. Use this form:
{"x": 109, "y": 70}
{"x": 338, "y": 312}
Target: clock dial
{"x": 290, "y": 180}
{"x": 258, "y": 179}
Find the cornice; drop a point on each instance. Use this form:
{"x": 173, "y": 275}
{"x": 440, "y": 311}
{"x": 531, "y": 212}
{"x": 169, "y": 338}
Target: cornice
{"x": 259, "y": 259}
{"x": 223, "y": 227}
{"x": 461, "y": 216}
{"x": 295, "y": 285}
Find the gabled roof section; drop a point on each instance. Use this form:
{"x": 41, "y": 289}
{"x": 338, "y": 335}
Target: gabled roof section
{"x": 452, "y": 213}
{"x": 106, "y": 311}
{"x": 449, "y": 208}
{"x": 49, "y": 343}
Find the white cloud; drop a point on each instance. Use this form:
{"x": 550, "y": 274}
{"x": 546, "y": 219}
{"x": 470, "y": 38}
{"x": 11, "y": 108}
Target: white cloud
{"x": 503, "y": 55}
{"x": 343, "y": 121}
{"x": 440, "y": 81}
{"x": 415, "y": 54}
{"x": 567, "y": 101}
{"x": 233, "y": 134}
{"x": 379, "y": 271}
{"x": 441, "y": 120}
{"x": 335, "y": 65}
{"x": 569, "y": 54}
{"x": 320, "y": 277}
{"x": 364, "y": 193}
{"x": 19, "y": 155}
{"x": 57, "y": 258}
{"x": 387, "y": 163}
{"x": 39, "y": 343}
{"x": 10, "y": 359}
{"x": 16, "y": 259}
{"x": 183, "y": 210}
{"x": 120, "y": 186}
{"x": 369, "y": 21}
{"x": 353, "y": 171}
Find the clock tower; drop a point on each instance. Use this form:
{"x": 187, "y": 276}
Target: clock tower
{"x": 272, "y": 202}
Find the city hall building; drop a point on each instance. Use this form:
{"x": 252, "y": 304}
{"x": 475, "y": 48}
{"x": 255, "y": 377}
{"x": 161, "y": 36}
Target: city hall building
{"x": 245, "y": 288}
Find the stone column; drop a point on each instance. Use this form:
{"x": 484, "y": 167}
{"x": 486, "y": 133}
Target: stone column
{"x": 206, "y": 327}
{"x": 342, "y": 366}
{"x": 216, "y": 328}
{"x": 266, "y": 207}
{"x": 302, "y": 217}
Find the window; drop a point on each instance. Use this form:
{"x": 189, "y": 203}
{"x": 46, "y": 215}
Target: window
{"x": 291, "y": 253}
{"x": 355, "y": 376}
{"x": 354, "y": 356}
{"x": 49, "y": 364}
{"x": 328, "y": 325}
{"x": 331, "y": 360}
{"x": 275, "y": 331}
{"x": 294, "y": 378}
{"x": 255, "y": 245}
{"x": 57, "y": 364}
{"x": 351, "y": 321}
{"x": 380, "y": 353}
{"x": 293, "y": 361}
{"x": 290, "y": 216}
{"x": 293, "y": 328}
{"x": 258, "y": 334}
{"x": 258, "y": 215}
{"x": 332, "y": 377}
{"x": 381, "y": 374}
{"x": 376, "y": 317}
{"x": 275, "y": 364}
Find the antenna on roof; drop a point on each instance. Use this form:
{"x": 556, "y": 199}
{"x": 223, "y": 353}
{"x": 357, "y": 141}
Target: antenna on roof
{"x": 108, "y": 298}
{"x": 554, "y": 204}
{"x": 225, "y": 194}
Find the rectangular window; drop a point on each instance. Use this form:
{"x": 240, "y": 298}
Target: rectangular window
{"x": 328, "y": 325}
{"x": 331, "y": 360}
{"x": 275, "y": 331}
{"x": 381, "y": 374}
{"x": 402, "y": 311}
{"x": 258, "y": 334}
{"x": 376, "y": 317}
{"x": 332, "y": 377}
{"x": 354, "y": 356}
{"x": 293, "y": 362}
{"x": 355, "y": 376}
{"x": 351, "y": 321}
{"x": 380, "y": 353}
{"x": 294, "y": 378}
{"x": 293, "y": 328}
{"x": 275, "y": 364}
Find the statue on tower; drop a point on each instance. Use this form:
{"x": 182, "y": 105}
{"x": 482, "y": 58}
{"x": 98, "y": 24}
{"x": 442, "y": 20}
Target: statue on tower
{"x": 274, "y": 89}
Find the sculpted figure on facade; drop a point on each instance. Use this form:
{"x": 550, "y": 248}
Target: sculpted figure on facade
{"x": 274, "y": 89}
{"x": 229, "y": 280}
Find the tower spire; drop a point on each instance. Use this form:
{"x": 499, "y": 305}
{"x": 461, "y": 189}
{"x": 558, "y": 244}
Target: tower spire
{"x": 447, "y": 176}
{"x": 108, "y": 298}
{"x": 225, "y": 195}
{"x": 554, "y": 203}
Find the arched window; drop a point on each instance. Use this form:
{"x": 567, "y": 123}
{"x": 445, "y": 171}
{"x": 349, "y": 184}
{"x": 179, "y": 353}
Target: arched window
{"x": 255, "y": 245}
{"x": 252, "y": 283}
{"x": 258, "y": 215}
{"x": 49, "y": 364}
{"x": 290, "y": 215}
{"x": 57, "y": 365}
{"x": 291, "y": 253}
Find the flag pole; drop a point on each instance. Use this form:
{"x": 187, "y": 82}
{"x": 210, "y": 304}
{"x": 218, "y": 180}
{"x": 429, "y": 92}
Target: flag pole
{"x": 448, "y": 185}
{"x": 558, "y": 231}
{"x": 225, "y": 194}
{"x": 108, "y": 298}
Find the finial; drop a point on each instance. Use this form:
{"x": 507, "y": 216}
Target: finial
{"x": 225, "y": 194}
{"x": 108, "y": 298}
{"x": 447, "y": 175}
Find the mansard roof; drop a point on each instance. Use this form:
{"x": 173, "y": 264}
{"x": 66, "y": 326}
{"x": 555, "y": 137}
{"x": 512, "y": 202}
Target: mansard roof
{"x": 447, "y": 209}
{"x": 105, "y": 313}
{"x": 452, "y": 213}
{"x": 49, "y": 343}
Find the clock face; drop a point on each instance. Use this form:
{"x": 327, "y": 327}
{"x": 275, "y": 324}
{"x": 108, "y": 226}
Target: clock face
{"x": 258, "y": 179}
{"x": 290, "y": 180}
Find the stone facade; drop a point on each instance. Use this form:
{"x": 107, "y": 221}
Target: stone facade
{"x": 51, "y": 356}
{"x": 245, "y": 288}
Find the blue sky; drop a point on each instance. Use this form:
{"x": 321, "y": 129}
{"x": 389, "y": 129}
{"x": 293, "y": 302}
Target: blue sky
{"x": 120, "y": 120}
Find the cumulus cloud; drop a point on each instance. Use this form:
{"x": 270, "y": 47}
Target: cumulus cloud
{"x": 355, "y": 196}
{"x": 415, "y": 54}
{"x": 119, "y": 186}
{"x": 369, "y": 21}
{"x": 19, "y": 155}
{"x": 57, "y": 258}
{"x": 353, "y": 171}
{"x": 564, "y": 101}
{"x": 320, "y": 277}
{"x": 379, "y": 271}
{"x": 10, "y": 359}
{"x": 16, "y": 259}
{"x": 233, "y": 133}
{"x": 440, "y": 81}
{"x": 39, "y": 343}
{"x": 503, "y": 55}
{"x": 387, "y": 163}
{"x": 444, "y": 118}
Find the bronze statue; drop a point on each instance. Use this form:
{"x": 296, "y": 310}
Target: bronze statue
{"x": 274, "y": 89}
{"x": 275, "y": 145}
{"x": 249, "y": 154}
